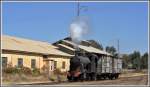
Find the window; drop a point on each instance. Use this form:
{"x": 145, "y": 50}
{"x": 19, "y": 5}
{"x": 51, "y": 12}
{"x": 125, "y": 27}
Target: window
{"x": 63, "y": 64}
{"x": 33, "y": 63}
{"x": 4, "y": 62}
{"x": 55, "y": 64}
{"x": 20, "y": 62}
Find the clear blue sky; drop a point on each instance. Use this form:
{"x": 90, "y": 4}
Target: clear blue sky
{"x": 109, "y": 22}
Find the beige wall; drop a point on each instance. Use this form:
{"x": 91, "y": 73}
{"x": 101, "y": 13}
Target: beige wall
{"x": 13, "y": 59}
{"x": 60, "y": 60}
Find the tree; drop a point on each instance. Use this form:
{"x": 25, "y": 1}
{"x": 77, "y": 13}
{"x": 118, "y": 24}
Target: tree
{"x": 125, "y": 61}
{"x": 135, "y": 59}
{"x": 95, "y": 44}
{"x": 144, "y": 61}
{"x": 111, "y": 49}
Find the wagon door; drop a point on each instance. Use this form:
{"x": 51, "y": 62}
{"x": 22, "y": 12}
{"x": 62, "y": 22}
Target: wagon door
{"x": 99, "y": 66}
{"x": 104, "y": 64}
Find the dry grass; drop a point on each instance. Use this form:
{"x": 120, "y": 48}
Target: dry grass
{"x": 58, "y": 77}
{"x": 23, "y": 78}
{"x": 129, "y": 73}
{"x": 18, "y": 78}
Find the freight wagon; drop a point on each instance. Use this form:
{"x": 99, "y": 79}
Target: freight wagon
{"x": 109, "y": 67}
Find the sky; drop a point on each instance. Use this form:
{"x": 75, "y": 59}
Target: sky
{"x": 109, "y": 21}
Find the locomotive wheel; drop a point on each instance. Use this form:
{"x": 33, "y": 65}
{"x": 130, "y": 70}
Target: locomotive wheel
{"x": 69, "y": 78}
{"x": 82, "y": 77}
{"x": 98, "y": 77}
{"x": 75, "y": 79}
{"x": 111, "y": 76}
{"x": 116, "y": 76}
{"x": 88, "y": 77}
{"x": 94, "y": 76}
{"x": 105, "y": 77}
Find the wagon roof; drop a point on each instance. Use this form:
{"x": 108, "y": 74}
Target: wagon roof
{"x": 27, "y": 45}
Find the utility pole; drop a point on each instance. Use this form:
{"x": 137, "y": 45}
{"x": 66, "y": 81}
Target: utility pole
{"x": 118, "y": 49}
{"x": 78, "y": 9}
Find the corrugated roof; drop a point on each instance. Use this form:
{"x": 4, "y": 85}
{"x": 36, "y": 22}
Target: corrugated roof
{"x": 66, "y": 47}
{"x": 69, "y": 42}
{"x": 93, "y": 50}
{"x": 21, "y": 44}
{"x": 89, "y": 48}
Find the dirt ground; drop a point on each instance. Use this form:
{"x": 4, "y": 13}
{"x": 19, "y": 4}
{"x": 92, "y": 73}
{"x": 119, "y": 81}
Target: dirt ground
{"x": 134, "y": 80}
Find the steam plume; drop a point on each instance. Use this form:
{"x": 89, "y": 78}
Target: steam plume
{"x": 78, "y": 28}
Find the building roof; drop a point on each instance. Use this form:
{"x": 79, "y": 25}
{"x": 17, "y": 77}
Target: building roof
{"x": 66, "y": 47}
{"x": 69, "y": 42}
{"x": 89, "y": 48}
{"x": 26, "y": 45}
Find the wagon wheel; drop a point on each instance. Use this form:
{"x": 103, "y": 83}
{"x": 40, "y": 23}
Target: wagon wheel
{"x": 104, "y": 77}
{"x": 82, "y": 77}
{"x": 117, "y": 76}
{"x": 94, "y": 77}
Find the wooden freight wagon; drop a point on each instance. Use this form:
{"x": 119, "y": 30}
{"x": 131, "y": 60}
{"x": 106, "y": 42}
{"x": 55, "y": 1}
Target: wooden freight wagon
{"x": 109, "y": 67}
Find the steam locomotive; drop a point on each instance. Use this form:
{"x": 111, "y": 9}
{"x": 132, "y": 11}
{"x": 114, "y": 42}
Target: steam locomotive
{"x": 90, "y": 66}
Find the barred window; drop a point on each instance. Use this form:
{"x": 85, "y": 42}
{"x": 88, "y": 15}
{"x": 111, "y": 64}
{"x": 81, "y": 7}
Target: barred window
{"x": 20, "y": 62}
{"x": 4, "y": 62}
{"x": 63, "y": 64}
{"x": 33, "y": 63}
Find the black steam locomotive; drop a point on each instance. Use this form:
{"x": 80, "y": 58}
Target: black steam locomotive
{"x": 88, "y": 66}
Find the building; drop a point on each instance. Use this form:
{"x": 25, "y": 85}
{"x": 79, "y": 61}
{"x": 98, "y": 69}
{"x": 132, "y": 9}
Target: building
{"x": 33, "y": 54}
{"x": 67, "y": 46}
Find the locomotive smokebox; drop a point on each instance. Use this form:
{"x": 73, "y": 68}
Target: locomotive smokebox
{"x": 77, "y": 51}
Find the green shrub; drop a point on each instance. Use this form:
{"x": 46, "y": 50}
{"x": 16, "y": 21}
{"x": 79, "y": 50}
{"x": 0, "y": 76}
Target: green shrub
{"x": 44, "y": 69}
{"x": 10, "y": 70}
{"x": 64, "y": 73}
{"x": 53, "y": 78}
{"x": 36, "y": 71}
{"x": 57, "y": 71}
{"x": 26, "y": 70}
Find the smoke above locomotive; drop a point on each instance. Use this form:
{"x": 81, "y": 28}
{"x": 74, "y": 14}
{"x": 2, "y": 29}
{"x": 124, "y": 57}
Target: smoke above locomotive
{"x": 78, "y": 28}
